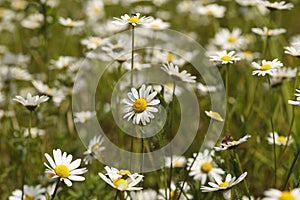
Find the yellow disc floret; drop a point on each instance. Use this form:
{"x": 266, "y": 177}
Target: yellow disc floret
{"x": 140, "y": 105}
{"x": 286, "y": 195}
{"x": 206, "y": 167}
{"x": 62, "y": 171}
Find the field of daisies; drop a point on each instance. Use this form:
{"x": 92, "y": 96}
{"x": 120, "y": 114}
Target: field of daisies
{"x": 147, "y": 100}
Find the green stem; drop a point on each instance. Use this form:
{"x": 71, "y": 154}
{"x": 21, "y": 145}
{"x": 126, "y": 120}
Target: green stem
{"x": 291, "y": 169}
{"x": 132, "y": 55}
{"x": 55, "y": 190}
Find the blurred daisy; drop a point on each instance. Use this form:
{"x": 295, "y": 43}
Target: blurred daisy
{"x": 30, "y": 193}
{"x": 121, "y": 179}
{"x": 157, "y": 24}
{"x": 230, "y": 40}
{"x": 94, "y": 149}
{"x": 83, "y": 116}
{"x": 213, "y": 10}
{"x": 282, "y": 5}
{"x": 140, "y": 105}
{"x": 174, "y": 192}
{"x": 204, "y": 167}
{"x": 279, "y": 139}
{"x": 68, "y": 22}
{"x": 31, "y": 102}
{"x": 214, "y": 115}
{"x": 177, "y": 161}
{"x": 266, "y": 67}
{"x": 297, "y": 101}
{"x": 93, "y": 42}
{"x": 133, "y": 20}
{"x": 274, "y": 194}
{"x": 224, "y": 186}
{"x": 224, "y": 57}
{"x": 293, "y": 50}
{"x": 173, "y": 71}
{"x": 265, "y": 31}
{"x": 63, "y": 168}
{"x": 229, "y": 143}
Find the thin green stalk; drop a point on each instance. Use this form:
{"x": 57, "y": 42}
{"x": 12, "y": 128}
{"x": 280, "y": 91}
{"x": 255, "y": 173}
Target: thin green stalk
{"x": 291, "y": 169}
{"x": 132, "y": 55}
{"x": 55, "y": 190}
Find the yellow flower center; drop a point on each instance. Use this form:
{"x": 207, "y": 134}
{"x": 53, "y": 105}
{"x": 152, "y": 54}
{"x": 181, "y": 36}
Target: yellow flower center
{"x": 140, "y": 105}
{"x": 206, "y": 167}
{"x": 120, "y": 184}
{"x": 62, "y": 171}
{"x": 226, "y": 58}
{"x": 224, "y": 184}
{"x": 134, "y": 20}
{"x": 265, "y": 67}
{"x": 231, "y": 39}
{"x": 286, "y": 195}
{"x": 170, "y": 57}
{"x": 282, "y": 139}
{"x": 29, "y": 197}
{"x": 124, "y": 172}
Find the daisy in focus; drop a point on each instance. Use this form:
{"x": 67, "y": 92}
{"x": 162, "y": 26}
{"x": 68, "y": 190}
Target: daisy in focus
{"x": 121, "y": 179}
{"x": 297, "y": 101}
{"x": 279, "y": 139}
{"x": 173, "y": 71}
{"x": 133, "y": 20}
{"x": 31, "y": 102}
{"x": 266, "y": 67}
{"x": 30, "y": 193}
{"x": 83, "y": 116}
{"x": 140, "y": 105}
{"x": 230, "y": 143}
{"x": 94, "y": 149}
{"x": 220, "y": 185}
{"x": 204, "y": 167}
{"x": 225, "y": 57}
{"x": 214, "y": 115}
{"x": 177, "y": 161}
{"x": 274, "y": 194}
{"x": 63, "y": 168}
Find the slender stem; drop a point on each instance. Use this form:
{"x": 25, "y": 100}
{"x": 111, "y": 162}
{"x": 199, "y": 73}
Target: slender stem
{"x": 132, "y": 55}
{"x": 291, "y": 169}
{"x": 56, "y": 188}
{"x": 227, "y": 96}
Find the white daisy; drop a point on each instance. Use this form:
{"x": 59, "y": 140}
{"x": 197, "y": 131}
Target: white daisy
{"x": 121, "y": 179}
{"x": 68, "y": 22}
{"x": 177, "y": 161}
{"x": 214, "y": 115}
{"x": 30, "y": 193}
{"x": 266, "y": 67}
{"x": 133, "y": 20}
{"x": 62, "y": 167}
{"x": 230, "y": 40}
{"x": 204, "y": 167}
{"x": 174, "y": 192}
{"x": 224, "y": 57}
{"x": 31, "y": 102}
{"x": 94, "y": 149}
{"x": 266, "y": 32}
{"x": 219, "y": 185}
{"x": 282, "y": 5}
{"x": 83, "y": 116}
{"x": 213, "y": 10}
{"x": 297, "y": 101}
{"x": 140, "y": 105}
{"x": 157, "y": 24}
{"x": 274, "y": 194}
{"x": 173, "y": 71}
{"x": 279, "y": 139}
{"x": 230, "y": 143}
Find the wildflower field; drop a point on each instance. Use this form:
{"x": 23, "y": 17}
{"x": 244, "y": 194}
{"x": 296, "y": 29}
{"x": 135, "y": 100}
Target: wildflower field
{"x": 147, "y": 100}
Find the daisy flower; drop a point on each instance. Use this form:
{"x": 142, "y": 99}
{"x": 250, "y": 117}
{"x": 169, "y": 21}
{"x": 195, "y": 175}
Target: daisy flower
{"x": 157, "y": 24}
{"x": 133, "y": 20}
{"x": 121, "y": 179}
{"x": 173, "y": 71}
{"x": 265, "y": 31}
{"x": 266, "y": 67}
{"x": 297, "y": 101}
{"x": 174, "y": 192}
{"x": 230, "y": 40}
{"x": 140, "y": 105}
{"x": 214, "y": 115}
{"x": 177, "y": 161}
{"x": 204, "y": 167}
{"x": 94, "y": 149}
{"x": 68, "y": 22}
{"x": 30, "y": 192}
{"x": 213, "y": 10}
{"x": 220, "y": 185}
{"x": 282, "y": 5}
{"x": 63, "y": 168}
{"x": 31, "y": 102}
{"x": 230, "y": 143}
{"x": 83, "y": 116}
{"x": 279, "y": 139}
{"x": 274, "y": 194}
{"x": 224, "y": 57}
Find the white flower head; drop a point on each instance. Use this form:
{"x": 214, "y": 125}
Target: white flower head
{"x": 297, "y": 101}
{"x": 31, "y": 102}
{"x": 30, "y": 192}
{"x": 121, "y": 179}
{"x": 133, "y": 20}
{"x": 266, "y": 67}
{"x": 62, "y": 167}
{"x": 173, "y": 71}
{"x": 225, "y": 57}
{"x": 94, "y": 149}
{"x": 279, "y": 139}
